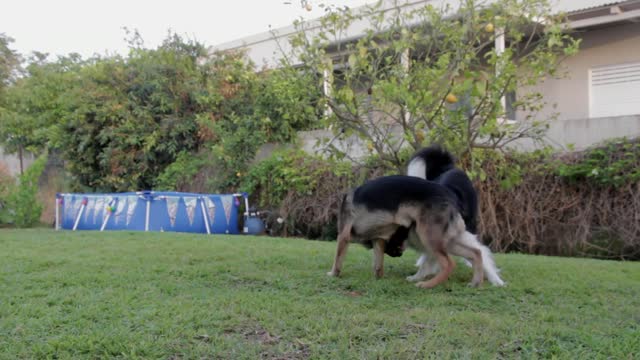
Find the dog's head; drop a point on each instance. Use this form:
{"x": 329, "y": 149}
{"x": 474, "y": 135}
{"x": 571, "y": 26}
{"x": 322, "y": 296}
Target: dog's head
{"x": 397, "y": 243}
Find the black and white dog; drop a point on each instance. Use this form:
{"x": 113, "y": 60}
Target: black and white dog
{"x": 374, "y": 211}
{"x": 436, "y": 164}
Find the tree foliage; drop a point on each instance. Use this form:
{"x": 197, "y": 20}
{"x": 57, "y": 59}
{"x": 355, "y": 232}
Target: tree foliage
{"x": 9, "y": 62}
{"x": 131, "y": 116}
{"x": 255, "y": 108}
{"x": 119, "y": 122}
{"x": 36, "y": 103}
{"x": 431, "y": 74}
{"x": 414, "y": 77}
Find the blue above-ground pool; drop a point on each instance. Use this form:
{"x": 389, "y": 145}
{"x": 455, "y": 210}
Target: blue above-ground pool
{"x": 151, "y": 211}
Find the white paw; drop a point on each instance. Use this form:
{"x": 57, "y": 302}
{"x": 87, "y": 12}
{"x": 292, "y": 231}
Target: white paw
{"x": 331, "y": 273}
{"x": 414, "y": 278}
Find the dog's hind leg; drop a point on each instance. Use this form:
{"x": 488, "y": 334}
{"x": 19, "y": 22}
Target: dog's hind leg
{"x": 343, "y": 243}
{"x": 490, "y": 268}
{"x": 467, "y": 246}
{"x": 488, "y": 265}
{"x": 446, "y": 265}
{"x": 378, "y": 258}
{"x": 433, "y": 238}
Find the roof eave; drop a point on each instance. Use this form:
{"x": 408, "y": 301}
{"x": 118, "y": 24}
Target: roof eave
{"x": 620, "y": 12}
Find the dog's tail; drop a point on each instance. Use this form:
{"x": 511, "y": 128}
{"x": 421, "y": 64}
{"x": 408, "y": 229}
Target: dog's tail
{"x": 490, "y": 270}
{"x": 430, "y": 162}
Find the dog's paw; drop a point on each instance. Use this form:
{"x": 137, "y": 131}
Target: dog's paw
{"x": 474, "y": 284}
{"x": 414, "y": 278}
{"x": 426, "y": 284}
{"x": 333, "y": 274}
{"x": 499, "y": 283}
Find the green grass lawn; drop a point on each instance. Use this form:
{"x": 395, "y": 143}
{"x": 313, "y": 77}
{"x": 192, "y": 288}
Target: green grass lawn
{"x": 182, "y": 296}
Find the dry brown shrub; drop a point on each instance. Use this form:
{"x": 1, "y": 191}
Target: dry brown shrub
{"x": 544, "y": 214}
{"x": 547, "y": 214}
{"x": 53, "y": 180}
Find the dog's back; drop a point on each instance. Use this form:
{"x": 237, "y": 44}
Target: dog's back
{"x": 384, "y": 197}
{"x": 382, "y": 205}
{"x": 390, "y": 192}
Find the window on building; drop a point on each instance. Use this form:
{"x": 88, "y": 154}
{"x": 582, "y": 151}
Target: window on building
{"x": 510, "y": 111}
{"x": 466, "y": 104}
{"x": 614, "y": 90}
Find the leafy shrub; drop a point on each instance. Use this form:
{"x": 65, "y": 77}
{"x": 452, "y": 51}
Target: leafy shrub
{"x": 302, "y": 189}
{"x": 270, "y": 107}
{"x": 23, "y": 203}
{"x": 181, "y": 172}
{"x": 7, "y": 187}
{"x": 290, "y": 170}
{"x": 616, "y": 163}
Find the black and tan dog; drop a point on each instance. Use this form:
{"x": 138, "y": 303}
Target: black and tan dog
{"x": 374, "y": 211}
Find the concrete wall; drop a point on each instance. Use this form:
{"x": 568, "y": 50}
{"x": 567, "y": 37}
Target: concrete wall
{"x": 579, "y": 133}
{"x": 583, "y": 133}
{"x": 309, "y": 141}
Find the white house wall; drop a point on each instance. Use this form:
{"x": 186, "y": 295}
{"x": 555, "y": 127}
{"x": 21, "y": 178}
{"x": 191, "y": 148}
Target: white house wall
{"x": 569, "y": 96}
{"x": 607, "y": 46}
{"x": 267, "y": 48}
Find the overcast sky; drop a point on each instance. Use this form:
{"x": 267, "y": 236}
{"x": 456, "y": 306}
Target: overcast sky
{"x": 59, "y": 27}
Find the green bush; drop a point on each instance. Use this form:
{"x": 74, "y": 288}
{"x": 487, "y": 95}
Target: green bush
{"x": 7, "y": 187}
{"x": 181, "y": 172}
{"x": 270, "y": 107}
{"x": 23, "y": 205}
{"x": 290, "y": 171}
{"x": 303, "y": 190}
{"x": 614, "y": 163}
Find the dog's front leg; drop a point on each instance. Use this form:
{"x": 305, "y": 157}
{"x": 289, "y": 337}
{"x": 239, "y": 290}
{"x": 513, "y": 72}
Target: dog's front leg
{"x": 343, "y": 243}
{"x": 378, "y": 258}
